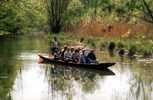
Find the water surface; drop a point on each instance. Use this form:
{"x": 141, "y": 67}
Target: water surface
{"x": 22, "y": 78}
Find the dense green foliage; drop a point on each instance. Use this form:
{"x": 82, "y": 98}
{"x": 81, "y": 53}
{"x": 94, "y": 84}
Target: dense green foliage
{"x": 21, "y": 16}
{"x": 76, "y": 11}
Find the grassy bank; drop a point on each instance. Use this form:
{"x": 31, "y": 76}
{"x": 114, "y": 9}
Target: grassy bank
{"x": 138, "y": 44}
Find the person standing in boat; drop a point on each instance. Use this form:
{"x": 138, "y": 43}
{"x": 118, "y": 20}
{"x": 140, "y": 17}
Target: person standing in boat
{"x": 63, "y": 52}
{"x": 91, "y": 57}
{"x": 55, "y": 46}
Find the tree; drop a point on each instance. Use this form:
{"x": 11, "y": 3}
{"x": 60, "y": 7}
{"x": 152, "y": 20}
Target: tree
{"x": 22, "y": 16}
{"x": 8, "y": 17}
{"x": 147, "y": 10}
{"x": 97, "y": 6}
{"x": 138, "y": 8}
{"x": 56, "y": 13}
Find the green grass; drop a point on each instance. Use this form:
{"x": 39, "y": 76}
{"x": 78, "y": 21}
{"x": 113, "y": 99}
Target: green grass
{"x": 139, "y": 45}
{"x": 65, "y": 38}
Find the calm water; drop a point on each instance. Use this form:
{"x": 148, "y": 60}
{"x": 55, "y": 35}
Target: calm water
{"x": 22, "y": 78}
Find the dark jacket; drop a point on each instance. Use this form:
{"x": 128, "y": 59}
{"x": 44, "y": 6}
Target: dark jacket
{"x": 91, "y": 57}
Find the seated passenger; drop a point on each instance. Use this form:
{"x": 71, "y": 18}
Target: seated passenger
{"x": 76, "y": 56}
{"x": 67, "y": 55}
{"x": 72, "y": 52}
{"x": 91, "y": 58}
{"x": 83, "y": 57}
{"x": 57, "y": 55}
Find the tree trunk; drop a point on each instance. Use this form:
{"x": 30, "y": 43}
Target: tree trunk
{"x": 56, "y": 14}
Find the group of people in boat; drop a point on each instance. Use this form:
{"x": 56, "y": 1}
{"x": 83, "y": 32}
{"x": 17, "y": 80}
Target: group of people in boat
{"x": 71, "y": 54}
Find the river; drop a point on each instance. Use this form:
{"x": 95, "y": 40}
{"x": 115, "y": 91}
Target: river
{"x": 22, "y": 78}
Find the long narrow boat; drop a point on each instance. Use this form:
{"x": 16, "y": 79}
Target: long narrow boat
{"x": 43, "y": 59}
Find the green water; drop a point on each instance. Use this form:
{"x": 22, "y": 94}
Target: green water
{"x": 22, "y": 78}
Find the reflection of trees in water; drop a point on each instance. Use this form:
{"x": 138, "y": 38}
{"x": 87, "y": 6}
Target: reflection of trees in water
{"x": 63, "y": 81}
{"x": 88, "y": 81}
{"x": 8, "y": 73}
{"x": 137, "y": 90}
{"x": 9, "y": 67}
{"x": 141, "y": 83}
{"x": 140, "y": 80}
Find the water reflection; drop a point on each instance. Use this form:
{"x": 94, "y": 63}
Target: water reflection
{"x": 8, "y": 68}
{"x": 31, "y": 84}
{"x": 7, "y": 77}
{"x": 21, "y": 78}
{"x": 141, "y": 82}
{"x": 63, "y": 79}
{"x": 11, "y": 64}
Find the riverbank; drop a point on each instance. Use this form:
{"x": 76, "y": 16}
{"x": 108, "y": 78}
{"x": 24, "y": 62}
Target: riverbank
{"x": 138, "y": 45}
{"x": 124, "y": 46}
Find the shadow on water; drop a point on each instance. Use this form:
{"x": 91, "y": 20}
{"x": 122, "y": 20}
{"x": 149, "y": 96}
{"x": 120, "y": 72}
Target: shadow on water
{"x": 104, "y": 71}
{"x": 64, "y": 80}
{"x": 80, "y": 70}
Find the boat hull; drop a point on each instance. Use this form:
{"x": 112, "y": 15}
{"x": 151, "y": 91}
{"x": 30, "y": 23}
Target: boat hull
{"x": 91, "y": 66}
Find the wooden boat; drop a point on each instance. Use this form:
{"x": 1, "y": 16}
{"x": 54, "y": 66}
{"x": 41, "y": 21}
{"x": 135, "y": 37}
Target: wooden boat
{"x": 90, "y": 66}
